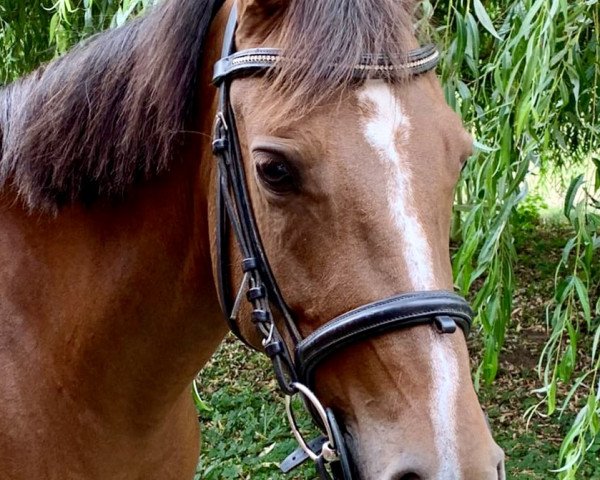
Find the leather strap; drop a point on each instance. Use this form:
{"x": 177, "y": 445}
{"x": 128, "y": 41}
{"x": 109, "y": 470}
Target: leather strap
{"x": 234, "y": 203}
{"x": 299, "y": 456}
{"x": 443, "y": 309}
{"x": 256, "y": 60}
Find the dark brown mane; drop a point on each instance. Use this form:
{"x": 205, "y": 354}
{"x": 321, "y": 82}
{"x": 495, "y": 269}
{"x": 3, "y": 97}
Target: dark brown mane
{"x": 108, "y": 113}
{"x": 329, "y": 37}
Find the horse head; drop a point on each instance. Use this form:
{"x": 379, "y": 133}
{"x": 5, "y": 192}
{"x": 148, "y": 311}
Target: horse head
{"x": 351, "y": 184}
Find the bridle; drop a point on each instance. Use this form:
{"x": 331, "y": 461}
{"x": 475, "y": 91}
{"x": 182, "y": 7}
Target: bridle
{"x": 294, "y": 365}
{"x": 295, "y": 362}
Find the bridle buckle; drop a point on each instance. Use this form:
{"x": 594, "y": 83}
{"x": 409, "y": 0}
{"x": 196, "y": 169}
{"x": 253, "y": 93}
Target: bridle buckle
{"x": 330, "y": 454}
{"x": 220, "y": 138}
{"x": 220, "y": 122}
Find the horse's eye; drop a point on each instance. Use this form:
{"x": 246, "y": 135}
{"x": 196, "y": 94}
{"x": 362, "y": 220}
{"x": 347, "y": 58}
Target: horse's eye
{"x": 277, "y": 175}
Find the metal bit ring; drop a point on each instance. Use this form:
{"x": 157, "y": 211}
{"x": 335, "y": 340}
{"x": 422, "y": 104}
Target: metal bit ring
{"x": 329, "y": 450}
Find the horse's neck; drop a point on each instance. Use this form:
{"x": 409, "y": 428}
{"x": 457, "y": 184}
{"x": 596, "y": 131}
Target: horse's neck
{"x": 112, "y": 305}
{"x": 106, "y": 314}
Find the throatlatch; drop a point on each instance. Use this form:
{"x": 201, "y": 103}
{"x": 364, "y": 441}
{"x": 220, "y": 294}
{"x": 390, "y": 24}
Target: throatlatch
{"x": 295, "y": 363}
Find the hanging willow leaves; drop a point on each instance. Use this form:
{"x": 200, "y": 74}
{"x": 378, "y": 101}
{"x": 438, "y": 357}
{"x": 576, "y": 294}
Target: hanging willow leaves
{"x": 485, "y": 19}
{"x": 532, "y": 101}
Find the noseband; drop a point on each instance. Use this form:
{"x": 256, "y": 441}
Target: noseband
{"x": 295, "y": 362}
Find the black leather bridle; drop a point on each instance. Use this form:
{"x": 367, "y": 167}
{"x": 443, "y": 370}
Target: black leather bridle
{"x": 295, "y": 362}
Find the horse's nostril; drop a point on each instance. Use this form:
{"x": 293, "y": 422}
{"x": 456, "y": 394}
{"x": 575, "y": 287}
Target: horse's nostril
{"x": 408, "y": 476}
{"x": 500, "y": 467}
{"x": 501, "y": 471}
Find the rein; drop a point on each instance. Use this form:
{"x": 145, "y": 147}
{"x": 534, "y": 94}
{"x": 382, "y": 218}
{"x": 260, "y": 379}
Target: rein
{"x": 295, "y": 363}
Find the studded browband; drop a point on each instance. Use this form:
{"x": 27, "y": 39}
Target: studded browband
{"x": 417, "y": 61}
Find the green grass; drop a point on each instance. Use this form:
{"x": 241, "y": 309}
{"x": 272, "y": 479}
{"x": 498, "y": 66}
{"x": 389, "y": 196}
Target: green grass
{"x": 244, "y": 432}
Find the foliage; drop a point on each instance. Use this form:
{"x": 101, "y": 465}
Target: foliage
{"x": 245, "y": 431}
{"x": 23, "y": 37}
{"x": 34, "y": 31}
{"x": 74, "y": 20}
{"x": 524, "y": 74}
{"x": 520, "y": 88}
{"x": 569, "y": 316}
{"x": 527, "y": 214}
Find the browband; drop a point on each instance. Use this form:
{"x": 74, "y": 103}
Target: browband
{"x": 443, "y": 309}
{"x": 417, "y": 61}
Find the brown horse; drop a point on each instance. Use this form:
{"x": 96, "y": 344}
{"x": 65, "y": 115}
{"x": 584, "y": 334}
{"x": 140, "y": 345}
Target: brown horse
{"x": 108, "y": 305}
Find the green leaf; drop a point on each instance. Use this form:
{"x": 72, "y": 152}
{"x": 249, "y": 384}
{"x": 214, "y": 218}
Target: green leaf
{"x": 563, "y": 289}
{"x": 484, "y": 19}
{"x": 484, "y": 148}
{"x": 552, "y": 398}
{"x": 201, "y": 405}
{"x": 584, "y": 299}
{"x": 567, "y": 250}
{"x": 596, "y": 162}
{"x": 574, "y": 187}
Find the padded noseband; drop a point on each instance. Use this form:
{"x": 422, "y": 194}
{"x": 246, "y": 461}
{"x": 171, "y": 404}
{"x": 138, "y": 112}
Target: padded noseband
{"x": 444, "y": 310}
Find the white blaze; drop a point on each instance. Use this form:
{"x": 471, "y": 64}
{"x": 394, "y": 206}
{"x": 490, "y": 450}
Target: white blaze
{"x": 442, "y": 408}
{"x": 385, "y": 126}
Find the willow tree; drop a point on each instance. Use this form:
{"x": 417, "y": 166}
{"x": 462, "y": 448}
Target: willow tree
{"x": 524, "y": 74}
{"x": 34, "y": 31}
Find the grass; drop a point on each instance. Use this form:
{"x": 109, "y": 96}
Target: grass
{"x": 245, "y": 433}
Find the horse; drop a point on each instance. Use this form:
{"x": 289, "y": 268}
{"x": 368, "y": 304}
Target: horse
{"x": 116, "y": 265}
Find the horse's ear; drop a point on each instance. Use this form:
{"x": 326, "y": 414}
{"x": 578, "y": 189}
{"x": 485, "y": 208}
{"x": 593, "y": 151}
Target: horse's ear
{"x": 256, "y": 17}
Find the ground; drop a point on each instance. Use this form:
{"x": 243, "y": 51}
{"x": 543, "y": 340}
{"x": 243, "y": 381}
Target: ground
{"x": 245, "y": 433}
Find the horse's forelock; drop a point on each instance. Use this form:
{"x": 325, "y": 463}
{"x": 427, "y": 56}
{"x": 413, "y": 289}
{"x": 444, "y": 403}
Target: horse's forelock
{"x": 326, "y": 39}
